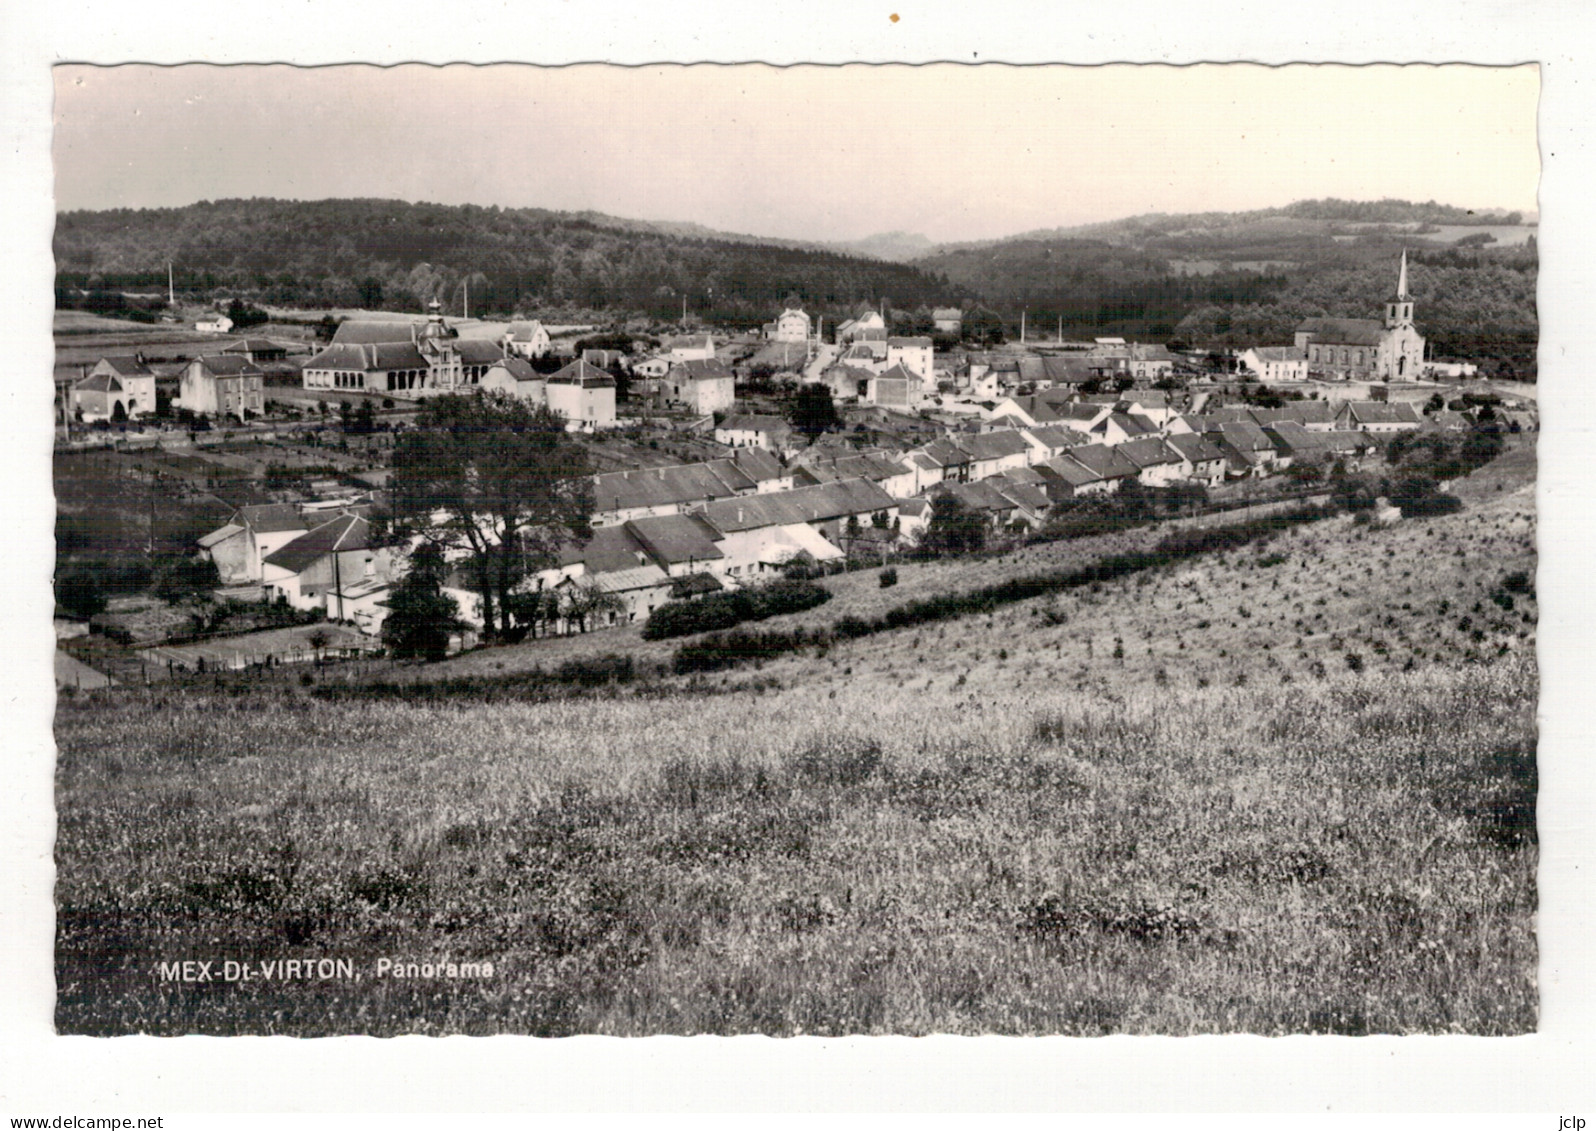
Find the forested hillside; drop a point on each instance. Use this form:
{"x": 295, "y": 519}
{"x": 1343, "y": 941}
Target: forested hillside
{"x": 1242, "y": 279}
{"x": 390, "y": 254}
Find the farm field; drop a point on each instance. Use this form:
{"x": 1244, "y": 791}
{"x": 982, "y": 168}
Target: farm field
{"x": 1288, "y": 788}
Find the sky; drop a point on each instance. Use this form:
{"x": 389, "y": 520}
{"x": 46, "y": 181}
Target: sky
{"x": 953, "y": 152}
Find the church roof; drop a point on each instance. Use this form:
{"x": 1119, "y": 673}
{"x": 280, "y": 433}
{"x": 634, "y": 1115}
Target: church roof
{"x": 1343, "y": 331}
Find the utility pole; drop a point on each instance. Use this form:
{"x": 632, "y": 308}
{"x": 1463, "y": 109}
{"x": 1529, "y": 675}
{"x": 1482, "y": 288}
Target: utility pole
{"x": 171, "y": 294}
{"x": 1022, "y": 326}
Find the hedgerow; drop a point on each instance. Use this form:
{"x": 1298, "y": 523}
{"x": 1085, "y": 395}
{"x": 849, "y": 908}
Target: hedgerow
{"x": 727, "y": 610}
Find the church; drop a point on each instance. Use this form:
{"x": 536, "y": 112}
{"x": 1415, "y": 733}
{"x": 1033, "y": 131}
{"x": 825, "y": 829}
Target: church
{"x": 1364, "y": 349}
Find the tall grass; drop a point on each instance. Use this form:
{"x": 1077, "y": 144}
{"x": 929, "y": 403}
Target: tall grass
{"x": 1356, "y": 855}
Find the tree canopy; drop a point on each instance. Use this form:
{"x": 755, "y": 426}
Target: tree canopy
{"x": 812, "y": 411}
{"x": 493, "y": 476}
{"x": 421, "y": 616}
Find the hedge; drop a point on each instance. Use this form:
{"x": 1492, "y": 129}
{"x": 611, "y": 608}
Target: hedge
{"x": 727, "y": 610}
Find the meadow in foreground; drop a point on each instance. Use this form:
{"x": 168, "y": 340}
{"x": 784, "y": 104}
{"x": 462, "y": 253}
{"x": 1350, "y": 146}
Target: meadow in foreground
{"x": 991, "y": 830}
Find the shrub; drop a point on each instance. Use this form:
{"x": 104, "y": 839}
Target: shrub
{"x": 727, "y": 610}
{"x": 888, "y": 577}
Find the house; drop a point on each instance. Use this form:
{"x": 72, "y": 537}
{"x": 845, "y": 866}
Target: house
{"x": 914, "y": 515}
{"x": 867, "y": 323}
{"x": 896, "y": 387}
{"x": 894, "y": 476}
{"x": 635, "y": 593}
{"x": 1056, "y": 371}
{"x": 1378, "y": 417}
{"x": 1119, "y": 427}
{"x": 222, "y": 386}
{"x": 954, "y": 461}
{"x": 754, "y": 431}
{"x": 792, "y": 325}
{"x": 241, "y": 545}
{"x": 585, "y": 396}
{"x": 1276, "y": 363}
{"x": 994, "y": 452}
{"x": 525, "y": 339}
{"x": 915, "y": 355}
{"x": 1025, "y": 412}
{"x": 1052, "y": 440}
{"x": 1082, "y": 416}
{"x": 214, "y": 324}
{"x": 848, "y": 382}
{"x": 1157, "y": 463}
{"x": 869, "y": 354}
{"x": 690, "y": 347}
{"x": 1104, "y": 463}
{"x": 948, "y": 320}
{"x": 516, "y": 377}
{"x": 1316, "y": 416}
{"x": 1363, "y": 348}
{"x": 363, "y": 603}
{"x": 985, "y": 499}
{"x": 622, "y": 495}
{"x": 334, "y": 554}
{"x": 652, "y": 368}
{"x": 700, "y": 386}
{"x": 1202, "y": 461}
{"x": 761, "y": 532}
{"x": 115, "y": 383}
{"x": 256, "y": 350}
{"x": 1247, "y": 450}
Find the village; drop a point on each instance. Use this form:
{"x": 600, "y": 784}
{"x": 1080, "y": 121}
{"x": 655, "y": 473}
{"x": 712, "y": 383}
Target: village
{"x": 723, "y": 460}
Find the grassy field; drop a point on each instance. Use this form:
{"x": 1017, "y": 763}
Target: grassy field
{"x": 1174, "y": 803}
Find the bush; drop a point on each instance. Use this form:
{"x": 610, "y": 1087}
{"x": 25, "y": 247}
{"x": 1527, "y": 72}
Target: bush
{"x": 888, "y": 577}
{"x": 727, "y": 610}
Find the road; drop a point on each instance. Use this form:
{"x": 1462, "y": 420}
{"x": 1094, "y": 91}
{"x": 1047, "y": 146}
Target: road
{"x": 826, "y": 355}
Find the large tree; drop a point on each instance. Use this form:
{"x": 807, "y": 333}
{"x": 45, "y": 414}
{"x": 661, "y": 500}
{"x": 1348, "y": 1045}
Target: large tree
{"x": 493, "y": 476}
{"x": 421, "y": 616}
{"x": 812, "y": 411}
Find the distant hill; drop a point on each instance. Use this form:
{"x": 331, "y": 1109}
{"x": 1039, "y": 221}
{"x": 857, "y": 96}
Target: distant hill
{"x": 898, "y": 247}
{"x": 395, "y": 255}
{"x": 1246, "y": 278}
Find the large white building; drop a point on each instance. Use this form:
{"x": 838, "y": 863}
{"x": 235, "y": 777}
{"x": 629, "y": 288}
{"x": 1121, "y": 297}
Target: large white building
{"x": 402, "y": 359}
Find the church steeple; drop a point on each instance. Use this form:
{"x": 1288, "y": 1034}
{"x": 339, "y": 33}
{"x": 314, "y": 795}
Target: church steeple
{"x": 1399, "y": 311}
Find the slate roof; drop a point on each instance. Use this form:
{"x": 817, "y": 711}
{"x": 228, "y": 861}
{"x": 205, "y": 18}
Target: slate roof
{"x": 478, "y": 351}
{"x": 367, "y": 332}
{"x": 803, "y": 505}
{"x": 128, "y": 366}
{"x": 1280, "y": 353}
{"x": 702, "y": 369}
{"x": 625, "y": 580}
{"x": 219, "y": 365}
{"x": 1102, "y": 460}
{"x": 1194, "y": 447}
{"x": 270, "y": 518}
{"x": 346, "y": 532}
{"x": 758, "y": 464}
{"x": 518, "y": 368}
{"x": 666, "y": 486}
{"x": 1245, "y": 436}
{"x": 369, "y": 357}
{"x": 98, "y": 383}
{"x": 581, "y": 373}
{"x": 250, "y": 345}
{"x": 1149, "y": 451}
{"x": 1343, "y": 331}
{"x": 874, "y": 466}
{"x": 753, "y": 422}
{"x": 1380, "y": 412}
{"x": 908, "y": 343}
{"x": 675, "y": 538}
{"x": 994, "y": 445}
{"x": 1132, "y": 424}
{"x": 522, "y": 331}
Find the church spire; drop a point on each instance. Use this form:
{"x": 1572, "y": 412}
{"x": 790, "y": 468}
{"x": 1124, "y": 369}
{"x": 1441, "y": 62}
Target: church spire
{"x": 1402, "y": 277}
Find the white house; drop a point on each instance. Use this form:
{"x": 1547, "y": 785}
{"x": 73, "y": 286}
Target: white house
{"x": 525, "y": 339}
{"x": 915, "y": 355}
{"x": 222, "y": 386}
{"x": 792, "y": 326}
{"x": 1276, "y": 363}
{"x": 214, "y": 324}
{"x": 691, "y": 347}
{"x": 113, "y": 382}
{"x": 585, "y": 396}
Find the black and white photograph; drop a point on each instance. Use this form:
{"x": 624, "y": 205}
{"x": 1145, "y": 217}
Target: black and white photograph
{"x": 796, "y": 551}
